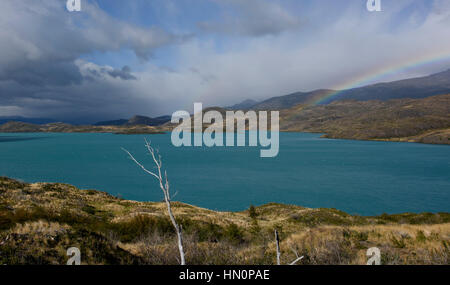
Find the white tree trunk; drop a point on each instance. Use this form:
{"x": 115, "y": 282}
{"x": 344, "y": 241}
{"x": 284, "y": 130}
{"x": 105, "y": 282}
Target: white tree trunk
{"x": 178, "y": 229}
{"x": 277, "y": 240}
{"x": 166, "y": 191}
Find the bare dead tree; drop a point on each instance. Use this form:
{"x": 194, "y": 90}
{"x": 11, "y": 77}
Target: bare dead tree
{"x": 164, "y": 185}
{"x": 277, "y": 241}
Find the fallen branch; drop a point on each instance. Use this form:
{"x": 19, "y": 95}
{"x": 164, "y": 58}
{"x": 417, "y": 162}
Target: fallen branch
{"x": 277, "y": 241}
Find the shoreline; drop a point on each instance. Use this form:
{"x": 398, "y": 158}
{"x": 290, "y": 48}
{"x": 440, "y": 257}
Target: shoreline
{"x": 323, "y": 135}
{"x": 268, "y": 204}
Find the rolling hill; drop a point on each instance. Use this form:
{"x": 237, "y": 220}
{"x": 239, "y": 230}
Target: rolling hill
{"x": 415, "y": 120}
{"x": 135, "y": 121}
{"x": 244, "y": 105}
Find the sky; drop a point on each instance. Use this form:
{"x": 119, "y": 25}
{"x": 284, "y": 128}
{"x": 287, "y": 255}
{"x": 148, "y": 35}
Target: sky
{"x": 115, "y": 59}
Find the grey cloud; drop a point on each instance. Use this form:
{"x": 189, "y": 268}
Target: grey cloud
{"x": 39, "y": 40}
{"x": 85, "y": 103}
{"x": 40, "y": 74}
{"x": 94, "y": 72}
{"x": 43, "y": 73}
{"x": 124, "y": 73}
{"x": 105, "y": 33}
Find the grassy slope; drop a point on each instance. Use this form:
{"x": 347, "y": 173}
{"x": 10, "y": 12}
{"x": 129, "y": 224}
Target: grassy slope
{"x": 38, "y": 222}
{"x": 415, "y": 120}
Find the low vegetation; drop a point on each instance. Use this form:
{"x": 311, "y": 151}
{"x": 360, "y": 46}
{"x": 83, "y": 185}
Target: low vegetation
{"x": 39, "y": 222}
{"x": 409, "y": 120}
{"x": 21, "y": 127}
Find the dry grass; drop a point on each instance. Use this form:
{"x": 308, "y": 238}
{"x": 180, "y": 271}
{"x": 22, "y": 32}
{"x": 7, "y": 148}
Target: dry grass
{"x": 39, "y": 228}
{"x": 38, "y": 222}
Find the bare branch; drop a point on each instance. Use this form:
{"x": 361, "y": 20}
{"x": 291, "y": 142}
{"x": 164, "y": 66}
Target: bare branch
{"x": 139, "y": 164}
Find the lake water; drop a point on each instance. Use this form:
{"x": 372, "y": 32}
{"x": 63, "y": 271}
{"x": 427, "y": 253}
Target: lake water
{"x": 358, "y": 177}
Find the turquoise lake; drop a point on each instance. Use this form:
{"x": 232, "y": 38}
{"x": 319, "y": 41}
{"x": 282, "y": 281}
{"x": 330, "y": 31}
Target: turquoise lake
{"x": 359, "y": 177}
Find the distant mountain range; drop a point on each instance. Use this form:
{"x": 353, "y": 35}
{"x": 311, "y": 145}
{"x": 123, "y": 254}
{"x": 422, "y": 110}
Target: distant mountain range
{"x": 414, "y": 88}
{"x": 424, "y": 120}
{"x": 134, "y": 121}
{"x": 137, "y": 120}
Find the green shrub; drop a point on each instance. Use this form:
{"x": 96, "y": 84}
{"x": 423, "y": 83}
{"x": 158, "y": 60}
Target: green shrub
{"x": 252, "y": 212}
{"x": 355, "y": 235}
{"x": 234, "y": 234}
{"x": 89, "y": 209}
{"x": 420, "y": 236}
{"x": 141, "y": 225}
{"x": 207, "y": 232}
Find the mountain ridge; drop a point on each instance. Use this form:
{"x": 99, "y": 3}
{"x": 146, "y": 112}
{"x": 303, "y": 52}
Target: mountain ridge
{"x": 135, "y": 121}
{"x": 244, "y": 105}
{"x": 414, "y": 88}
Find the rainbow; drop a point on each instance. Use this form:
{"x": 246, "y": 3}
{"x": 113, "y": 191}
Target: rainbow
{"x": 375, "y": 75}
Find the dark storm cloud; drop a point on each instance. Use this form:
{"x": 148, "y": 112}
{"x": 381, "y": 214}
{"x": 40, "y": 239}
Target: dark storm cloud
{"x": 43, "y": 73}
{"x": 40, "y": 44}
{"x": 94, "y": 100}
{"x": 274, "y": 49}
